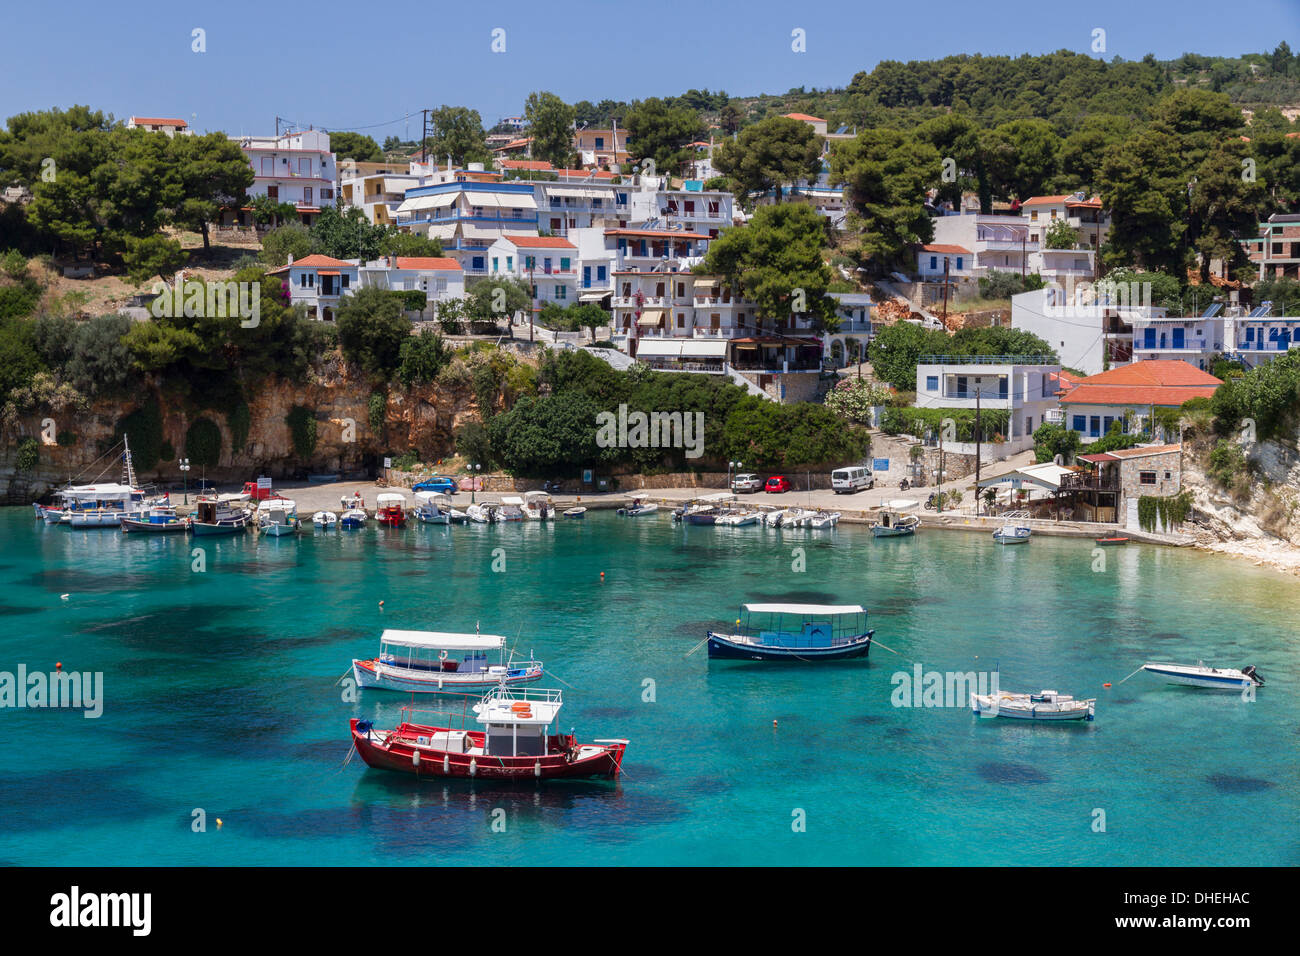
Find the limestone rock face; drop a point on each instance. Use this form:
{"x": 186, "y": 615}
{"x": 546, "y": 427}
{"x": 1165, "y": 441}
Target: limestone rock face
{"x": 424, "y": 418}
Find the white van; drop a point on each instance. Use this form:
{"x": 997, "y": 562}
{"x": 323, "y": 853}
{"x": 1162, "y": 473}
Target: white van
{"x": 845, "y": 481}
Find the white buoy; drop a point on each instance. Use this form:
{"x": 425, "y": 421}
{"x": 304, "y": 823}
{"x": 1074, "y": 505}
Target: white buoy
{"x": 446, "y": 764}
{"x": 64, "y": 597}
{"x": 537, "y": 769}
{"x": 473, "y": 767}
{"x": 415, "y": 759}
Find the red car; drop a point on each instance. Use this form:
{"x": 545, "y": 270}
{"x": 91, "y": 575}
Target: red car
{"x": 776, "y": 484}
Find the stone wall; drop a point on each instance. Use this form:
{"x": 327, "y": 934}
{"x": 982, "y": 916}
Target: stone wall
{"x": 1130, "y": 475}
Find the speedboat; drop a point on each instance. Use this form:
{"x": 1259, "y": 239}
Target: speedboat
{"x": 638, "y": 504}
{"x": 432, "y": 507}
{"x": 481, "y": 514}
{"x": 897, "y": 519}
{"x": 1011, "y": 534}
{"x": 1202, "y": 675}
{"x": 457, "y": 517}
{"x": 1045, "y": 705}
{"x": 794, "y": 632}
{"x": 824, "y": 519}
{"x": 774, "y": 519}
{"x": 353, "y": 518}
{"x": 739, "y": 519}
{"x": 222, "y": 515}
{"x": 797, "y": 518}
{"x": 325, "y": 520}
{"x": 390, "y": 509}
{"x": 514, "y": 742}
{"x": 707, "y": 510}
{"x": 277, "y": 517}
{"x": 537, "y": 506}
{"x": 419, "y": 662}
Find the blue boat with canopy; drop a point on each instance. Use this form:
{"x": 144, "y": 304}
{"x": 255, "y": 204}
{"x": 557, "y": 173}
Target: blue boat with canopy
{"x": 795, "y": 632}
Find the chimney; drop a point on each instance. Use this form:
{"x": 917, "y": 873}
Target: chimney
{"x": 290, "y": 262}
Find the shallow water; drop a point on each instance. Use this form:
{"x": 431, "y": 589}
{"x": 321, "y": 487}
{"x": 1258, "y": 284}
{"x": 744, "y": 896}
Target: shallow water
{"x": 220, "y": 695}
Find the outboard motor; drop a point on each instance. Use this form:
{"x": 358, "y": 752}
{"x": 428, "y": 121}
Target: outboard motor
{"x": 1249, "y": 671}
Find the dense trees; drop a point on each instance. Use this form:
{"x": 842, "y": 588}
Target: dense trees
{"x": 896, "y": 350}
{"x": 372, "y": 331}
{"x": 355, "y": 146}
{"x": 458, "y": 133}
{"x": 660, "y": 132}
{"x": 769, "y": 154}
{"x": 776, "y": 261}
{"x": 343, "y": 235}
{"x": 550, "y": 124}
{"x": 885, "y": 175}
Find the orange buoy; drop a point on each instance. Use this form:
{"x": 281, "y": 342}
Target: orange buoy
{"x": 1107, "y": 684}
{"x": 58, "y": 665}
{"x": 774, "y": 723}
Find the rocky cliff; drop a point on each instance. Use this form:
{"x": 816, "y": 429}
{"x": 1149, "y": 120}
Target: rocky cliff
{"x": 423, "y": 418}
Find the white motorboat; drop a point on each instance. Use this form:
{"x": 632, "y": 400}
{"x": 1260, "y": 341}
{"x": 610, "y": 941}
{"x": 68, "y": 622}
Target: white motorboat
{"x": 480, "y": 514}
{"x": 1202, "y": 675}
{"x": 639, "y": 504}
{"x": 897, "y": 519}
{"x": 797, "y": 518}
{"x": 1011, "y": 534}
{"x": 739, "y": 518}
{"x": 419, "y": 662}
{"x": 824, "y": 519}
{"x": 353, "y": 518}
{"x": 457, "y": 517}
{"x": 774, "y": 518}
{"x": 510, "y": 509}
{"x": 537, "y": 506}
{"x": 277, "y": 517}
{"x": 1046, "y": 705}
{"x": 325, "y": 520}
{"x": 432, "y": 507}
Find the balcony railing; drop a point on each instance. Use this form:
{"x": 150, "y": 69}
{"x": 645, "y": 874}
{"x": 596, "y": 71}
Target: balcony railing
{"x": 1090, "y": 482}
{"x": 986, "y": 360}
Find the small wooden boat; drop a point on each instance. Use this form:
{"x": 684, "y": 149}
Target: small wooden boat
{"x": 1011, "y": 534}
{"x": 419, "y": 662}
{"x": 639, "y": 504}
{"x": 514, "y": 742}
{"x": 277, "y": 517}
{"x": 578, "y": 512}
{"x": 325, "y": 520}
{"x": 1047, "y": 705}
{"x": 1202, "y": 675}
{"x": 390, "y": 510}
{"x": 156, "y": 519}
{"x": 222, "y": 515}
{"x": 1113, "y": 540}
{"x": 897, "y": 519}
{"x": 795, "y": 632}
{"x": 353, "y": 518}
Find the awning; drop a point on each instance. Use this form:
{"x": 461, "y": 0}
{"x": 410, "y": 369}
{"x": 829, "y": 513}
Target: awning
{"x": 567, "y": 191}
{"x": 426, "y": 202}
{"x": 595, "y": 296}
{"x": 651, "y": 317}
{"x": 658, "y": 348}
{"x": 445, "y": 231}
{"x": 501, "y": 200}
{"x": 471, "y": 231}
{"x": 702, "y": 284}
{"x": 697, "y": 348}
{"x": 440, "y": 640}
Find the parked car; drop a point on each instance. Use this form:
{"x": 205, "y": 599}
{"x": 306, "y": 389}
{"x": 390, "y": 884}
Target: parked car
{"x": 777, "y": 484}
{"x": 846, "y": 481}
{"x": 746, "y": 482}
{"x": 440, "y": 483}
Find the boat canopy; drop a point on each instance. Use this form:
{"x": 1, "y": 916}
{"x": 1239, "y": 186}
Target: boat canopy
{"x": 536, "y": 496}
{"x": 514, "y": 502}
{"x": 390, "y": 498}
{"x": 99, "y": 491}
{"x": 639, "y": 495}
{"x": 806, "y": 610}
{"x": 902, "y": 504}
{"x": 719, "y": 497}
{"x": 277, "y": 504}
{"x": 432, "y": 497}
{"x": 442, "y": 640}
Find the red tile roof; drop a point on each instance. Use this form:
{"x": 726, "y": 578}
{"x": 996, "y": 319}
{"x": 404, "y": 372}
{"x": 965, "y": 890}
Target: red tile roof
{"x": 429, "y": 263}
{"x": 314, "y": 262}
{"x": 1165, "y": 382}
{"x": 804, "y": 117}
{"x": 536, "y": 164}
{"x": 540, "y": 242}
{"x": 952, "y": 250}
{"x": 1068, "y": 200}
{"x": 158, "y": 121}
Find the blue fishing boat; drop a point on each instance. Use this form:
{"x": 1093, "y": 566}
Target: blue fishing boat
{"x": 795, "y": 632}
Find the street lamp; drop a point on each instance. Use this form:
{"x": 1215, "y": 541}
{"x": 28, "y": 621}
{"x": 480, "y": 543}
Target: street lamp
{"x": 733, "y": 466}
{"x": 185, "y": 473}
{"x": 473, "y": 481}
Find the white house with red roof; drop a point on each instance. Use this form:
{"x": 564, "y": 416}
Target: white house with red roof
{"x": 318, "y": 282}
{"x": 296, "y": 168}
{"x": 1083, "y": 214}
{"x": 816, "y": 122}
{"x": 1129, "y": 394}
{"x": 547, "y": 263}
{"x": 160, "y": 124}
{"x": 440, "y": 278}
{"x": 937, "y": 259}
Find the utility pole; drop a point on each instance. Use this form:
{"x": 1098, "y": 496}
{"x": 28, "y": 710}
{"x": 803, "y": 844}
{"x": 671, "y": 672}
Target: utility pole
{"x": 424, "y": 136}
{"x": 532, "y": 299}
{"x": 979, "y": 435}
{"x": 946, "y": 262}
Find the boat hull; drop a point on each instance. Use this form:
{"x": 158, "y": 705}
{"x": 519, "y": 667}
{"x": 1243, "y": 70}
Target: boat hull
{"x": 221, "y": 527}
{"x": 396, "y": 750}
{"x": 1208, "y": 681}
{"x": 436, "y": 682}
{"x": 985, "y": 707}
{"x": 178, "y": 526}
{"x": 879, "y": 531}
{"x": 723, "y": 647}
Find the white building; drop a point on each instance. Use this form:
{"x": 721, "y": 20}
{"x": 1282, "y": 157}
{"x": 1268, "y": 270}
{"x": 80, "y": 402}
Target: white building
{"x": 1082, "y": 214}
{"x": 439, "y": 278}
{"x": 1086, "y": 334}
{"x": 318, "y": 282}
{"x": 996, "y": 242}
{"x": 295, "y": 168}
{"x": 547, "y": 263}
{"x": 160, "y": 124}
{"x": 1194, "y": 340}
{"x": 694, "y": 210}
{"x": 1023, "y": 386}
{"x": 1257, "y": 338}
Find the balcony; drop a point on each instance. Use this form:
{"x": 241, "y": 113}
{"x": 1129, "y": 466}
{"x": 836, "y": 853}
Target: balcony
{"x": 1088, "y": 481}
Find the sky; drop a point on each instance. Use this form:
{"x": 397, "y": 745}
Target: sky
{"x": 373, "y": 67}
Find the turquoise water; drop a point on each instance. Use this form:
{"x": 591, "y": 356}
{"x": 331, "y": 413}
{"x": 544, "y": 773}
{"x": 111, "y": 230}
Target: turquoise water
{"x": 220, "y": 694}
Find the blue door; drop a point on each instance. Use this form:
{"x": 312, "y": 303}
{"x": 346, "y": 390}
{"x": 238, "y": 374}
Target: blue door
{"x": 1178, "y": 338}
{"x": 586, "y": 277}
{"x": 1149, "y": 338}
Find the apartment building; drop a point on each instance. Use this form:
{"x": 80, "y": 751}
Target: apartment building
{"x": 547, "y": 263}
{"x": 440, "y": 278}
{"x": 295, "y": 167}
{"x": 1083, "y": 214}
{"x": 1024, "y": 386}
{"x": 602, "y": 148}
{"x": 996, "y": 242}
{"x": 160, "y": 124}
{"x": 1276, "y": 250}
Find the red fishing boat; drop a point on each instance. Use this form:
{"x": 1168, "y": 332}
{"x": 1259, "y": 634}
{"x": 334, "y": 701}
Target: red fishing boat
{"x": 390, "y": 510}
{"x": 514, "y": 742}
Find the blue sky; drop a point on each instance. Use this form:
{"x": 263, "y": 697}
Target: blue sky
{"x": 350, "y": 65}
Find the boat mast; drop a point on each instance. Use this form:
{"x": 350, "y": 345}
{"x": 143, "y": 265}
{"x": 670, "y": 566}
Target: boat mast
{"x": 128, "y": 472}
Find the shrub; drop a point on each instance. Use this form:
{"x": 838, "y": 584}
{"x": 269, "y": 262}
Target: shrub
{"x": 29, "y": 455}
{"x": 371, "y": 330}
{"x": 203, "y": 443}
{"x": 423, "y": 356}
{"x": 302, "y": 428}
{"x": 376, "y": 407}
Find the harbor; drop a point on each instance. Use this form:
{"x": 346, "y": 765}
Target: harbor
{"x": 249, "y": 649}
